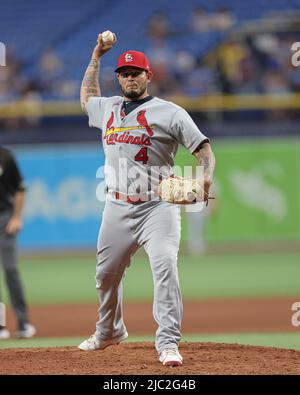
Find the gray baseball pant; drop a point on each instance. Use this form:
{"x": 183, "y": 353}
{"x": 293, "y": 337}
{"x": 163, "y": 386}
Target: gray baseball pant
{"x": 125, "y": 227}
{"x": 9, "y": 259}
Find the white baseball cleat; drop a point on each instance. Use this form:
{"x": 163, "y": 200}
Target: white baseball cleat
{"x": 26, "y": 332}
{"x": 93, "y": 343}
{"x": 170, "y": 357}
{"x": 4, "y": 334}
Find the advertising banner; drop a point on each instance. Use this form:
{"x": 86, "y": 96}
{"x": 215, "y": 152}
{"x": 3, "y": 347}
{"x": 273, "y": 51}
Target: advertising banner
{"x": 61, "y": 207}
{"x": 257, "y": 189}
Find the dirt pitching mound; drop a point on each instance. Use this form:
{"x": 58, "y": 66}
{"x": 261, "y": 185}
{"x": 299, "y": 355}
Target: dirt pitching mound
{"x": 141, "y": 359}
{"x": 200, "y": 316}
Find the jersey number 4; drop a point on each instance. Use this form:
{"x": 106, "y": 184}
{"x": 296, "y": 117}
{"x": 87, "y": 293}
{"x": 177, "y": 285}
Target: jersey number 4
{"x": 142, "y": 155}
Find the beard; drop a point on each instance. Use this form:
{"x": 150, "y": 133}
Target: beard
{"x": 134, "y": 94}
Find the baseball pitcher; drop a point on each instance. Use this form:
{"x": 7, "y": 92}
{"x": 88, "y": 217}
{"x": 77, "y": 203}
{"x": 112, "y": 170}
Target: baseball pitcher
{"x": 140, "y": 137}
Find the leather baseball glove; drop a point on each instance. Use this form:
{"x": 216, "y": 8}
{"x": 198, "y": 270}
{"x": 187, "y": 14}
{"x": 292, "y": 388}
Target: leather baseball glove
{"x": 180, "y": 190}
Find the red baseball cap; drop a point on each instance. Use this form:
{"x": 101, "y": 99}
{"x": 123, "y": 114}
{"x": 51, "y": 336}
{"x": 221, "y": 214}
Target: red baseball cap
{"x": 134, "y": 59}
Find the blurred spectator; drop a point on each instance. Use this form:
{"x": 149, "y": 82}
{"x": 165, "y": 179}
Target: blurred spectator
{"x": 27, "y": 110}
{"x": 283, "y": 53}
{"x": 185, "y": 62}
{"x": 164, "y": 83}
{"x": 66, "y": 89}
{"x": 293, "y": 77}
{"x": 200, "y": 81}
{"x": 264, "y": 46}
{"x": 50, "y": 65}
{"x": 30, "y": 104}
{"x": 162, "y": 61}
{"x": 200, "y": 20}
{"x": 249, "y": 75}
{"x": 50, "y": 70}
{"x": 222, "y": 20}
{"x": 158, "y": 28}
{"x": 230, "y": 55}
{"x": 258, "y": 63}
{"x": 10, "y": 79}
{"x": 275, "y": 83}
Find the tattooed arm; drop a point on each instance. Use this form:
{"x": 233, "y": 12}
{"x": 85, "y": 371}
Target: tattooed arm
{"x": 206, "y": 159}
{"x": 90, "y": 84}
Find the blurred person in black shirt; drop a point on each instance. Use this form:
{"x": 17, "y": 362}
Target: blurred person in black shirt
{"x": 12, "y": 195}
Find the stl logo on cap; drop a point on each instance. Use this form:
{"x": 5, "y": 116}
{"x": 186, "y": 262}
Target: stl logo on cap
{"x": 128, "y": 57}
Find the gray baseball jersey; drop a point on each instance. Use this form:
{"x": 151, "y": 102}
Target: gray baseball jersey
{"x": 146, "y": 140}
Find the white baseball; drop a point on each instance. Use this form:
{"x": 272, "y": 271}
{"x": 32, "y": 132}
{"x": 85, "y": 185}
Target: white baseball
{"x": 107, "y": 36}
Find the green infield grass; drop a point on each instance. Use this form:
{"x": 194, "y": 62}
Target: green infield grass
{"x": 280, "y": 340}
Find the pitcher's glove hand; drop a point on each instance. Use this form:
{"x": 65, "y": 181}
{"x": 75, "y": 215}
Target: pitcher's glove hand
{"x": 180, "y": 190}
